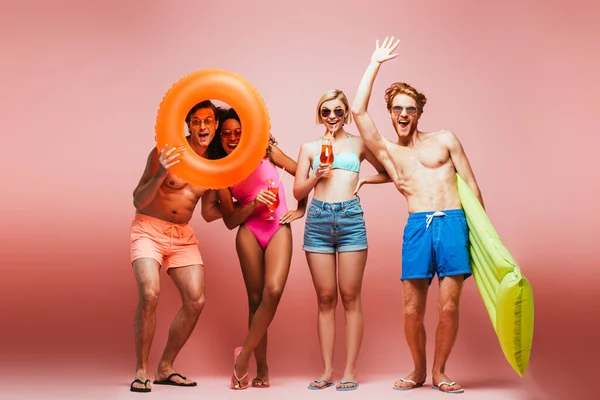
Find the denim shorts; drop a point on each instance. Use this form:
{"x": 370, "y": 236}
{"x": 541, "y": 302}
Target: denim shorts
{"x": 436, "y": 243}
{"x": 332, "y": 227}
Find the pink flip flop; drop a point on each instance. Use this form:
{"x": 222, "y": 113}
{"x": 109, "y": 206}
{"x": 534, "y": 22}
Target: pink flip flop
{"x": 236, "y": 383}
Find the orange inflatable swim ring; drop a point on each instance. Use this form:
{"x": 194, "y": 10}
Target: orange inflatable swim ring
{"x": 230, "y": 88}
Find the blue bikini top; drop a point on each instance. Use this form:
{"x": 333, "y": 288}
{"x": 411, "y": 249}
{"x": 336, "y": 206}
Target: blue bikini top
{"x": 347, "y": 161}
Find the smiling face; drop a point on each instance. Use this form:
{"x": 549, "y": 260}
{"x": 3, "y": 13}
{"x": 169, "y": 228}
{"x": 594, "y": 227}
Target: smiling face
{"x": 231, "y": 132}
{"x": 333, "y": 113}
{"x": 405, "y": 104}
{"x": 332, "y": 110}
{"x": 202, "y": 126}
{"x": 404, "y": 114}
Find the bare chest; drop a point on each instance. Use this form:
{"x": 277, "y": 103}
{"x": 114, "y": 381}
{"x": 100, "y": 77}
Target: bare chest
{"x": 173, "y": 184}
{"x": 416, "y": 163}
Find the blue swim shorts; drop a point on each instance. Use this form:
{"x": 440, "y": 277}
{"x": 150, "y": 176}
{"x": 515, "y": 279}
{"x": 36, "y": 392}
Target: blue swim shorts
{"x": 436, "y": 242}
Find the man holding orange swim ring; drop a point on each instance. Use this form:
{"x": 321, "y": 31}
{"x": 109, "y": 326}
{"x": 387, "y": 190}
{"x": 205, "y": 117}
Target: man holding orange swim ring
{"x": 162, "y": 237}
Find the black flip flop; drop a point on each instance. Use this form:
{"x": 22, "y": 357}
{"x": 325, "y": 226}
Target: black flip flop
{"x": 141, "y": 390}
{"x": 168, "y": 381}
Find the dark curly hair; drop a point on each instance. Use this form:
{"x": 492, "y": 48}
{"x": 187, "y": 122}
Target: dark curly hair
{"x": 215, "y": 149}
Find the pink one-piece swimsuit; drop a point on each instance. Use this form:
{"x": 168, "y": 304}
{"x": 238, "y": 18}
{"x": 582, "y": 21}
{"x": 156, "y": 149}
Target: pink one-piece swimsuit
{"x": 247, "y": 190}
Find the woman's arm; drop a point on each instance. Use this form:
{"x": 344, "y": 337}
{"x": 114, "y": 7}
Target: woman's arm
{"x": 304, "y": 182}
{"x": 282, "y": 160}
{"x": 234, "y": 216}
{"x": 381, "y": 177}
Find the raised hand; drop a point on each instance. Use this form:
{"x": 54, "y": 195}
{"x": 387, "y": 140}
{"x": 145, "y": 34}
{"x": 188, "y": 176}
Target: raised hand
{"x": 385, "y": 51}
{"x": 167, "y": 159}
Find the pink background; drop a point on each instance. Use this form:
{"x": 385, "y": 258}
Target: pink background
{"x": 81, "y": 83}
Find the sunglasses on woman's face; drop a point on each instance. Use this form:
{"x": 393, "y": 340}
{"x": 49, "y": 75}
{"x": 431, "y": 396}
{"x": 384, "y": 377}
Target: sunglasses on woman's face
{"x": 325, "y": 112}
{"x": 236, "y": 133}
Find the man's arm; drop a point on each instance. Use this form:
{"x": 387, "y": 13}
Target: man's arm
{"x": 365, "y": 124}
{"x": 461, "y": 163}
{"x": 210, "y": 206}
{"x": 231, "y": 216}
{"x": 157, "y": 165}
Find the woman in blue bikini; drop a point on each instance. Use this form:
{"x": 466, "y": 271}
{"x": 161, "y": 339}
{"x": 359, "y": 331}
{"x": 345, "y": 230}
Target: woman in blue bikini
{"x": 335, "y": 224}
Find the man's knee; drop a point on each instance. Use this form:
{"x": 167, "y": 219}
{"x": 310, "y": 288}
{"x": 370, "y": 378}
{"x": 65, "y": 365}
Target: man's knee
{"x": 414, "y": 311}
{"x": 195, "y": 304}
{"x": 448, "y": 310}
{"x": 413, "y": 316}
{"x": 450, "y": 291}
{"x": 149, "y": 298}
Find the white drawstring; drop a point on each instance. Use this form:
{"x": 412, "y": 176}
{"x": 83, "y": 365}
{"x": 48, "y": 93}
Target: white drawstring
{"x": 431, "y": 216}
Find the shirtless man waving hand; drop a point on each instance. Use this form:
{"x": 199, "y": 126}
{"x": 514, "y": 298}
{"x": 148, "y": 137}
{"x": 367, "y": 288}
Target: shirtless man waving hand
{"x": 423, "y": 166}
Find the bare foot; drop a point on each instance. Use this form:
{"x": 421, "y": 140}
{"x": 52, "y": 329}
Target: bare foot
{"x": 141, "y": 376}
{"x": 418, "y": 377}
{"x": 324, "y": 380}
{"x": 445, "y": 384}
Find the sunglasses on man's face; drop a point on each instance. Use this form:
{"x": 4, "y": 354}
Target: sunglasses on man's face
{"x": 397, "y": 110}
{"x": 196, "y": 122}
{"x": 325, "y": 112}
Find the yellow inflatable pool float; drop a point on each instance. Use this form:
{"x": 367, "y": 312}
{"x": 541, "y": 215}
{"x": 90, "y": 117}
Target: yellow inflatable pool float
{"x": 506, "y": 293}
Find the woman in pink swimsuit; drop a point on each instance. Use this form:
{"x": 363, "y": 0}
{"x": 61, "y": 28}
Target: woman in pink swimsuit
{"x": 264, "y": 246}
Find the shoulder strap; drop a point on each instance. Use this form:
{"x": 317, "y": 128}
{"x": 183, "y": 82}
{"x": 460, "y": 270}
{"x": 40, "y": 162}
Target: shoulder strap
{"x": 351, "y": 143}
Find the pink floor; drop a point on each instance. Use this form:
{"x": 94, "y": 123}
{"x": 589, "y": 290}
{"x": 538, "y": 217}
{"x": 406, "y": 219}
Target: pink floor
{"x": 283, "y": 389}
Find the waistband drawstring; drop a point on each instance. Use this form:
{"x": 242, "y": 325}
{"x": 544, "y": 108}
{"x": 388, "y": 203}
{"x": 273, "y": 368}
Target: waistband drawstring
{"x": 430, "y": 217}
